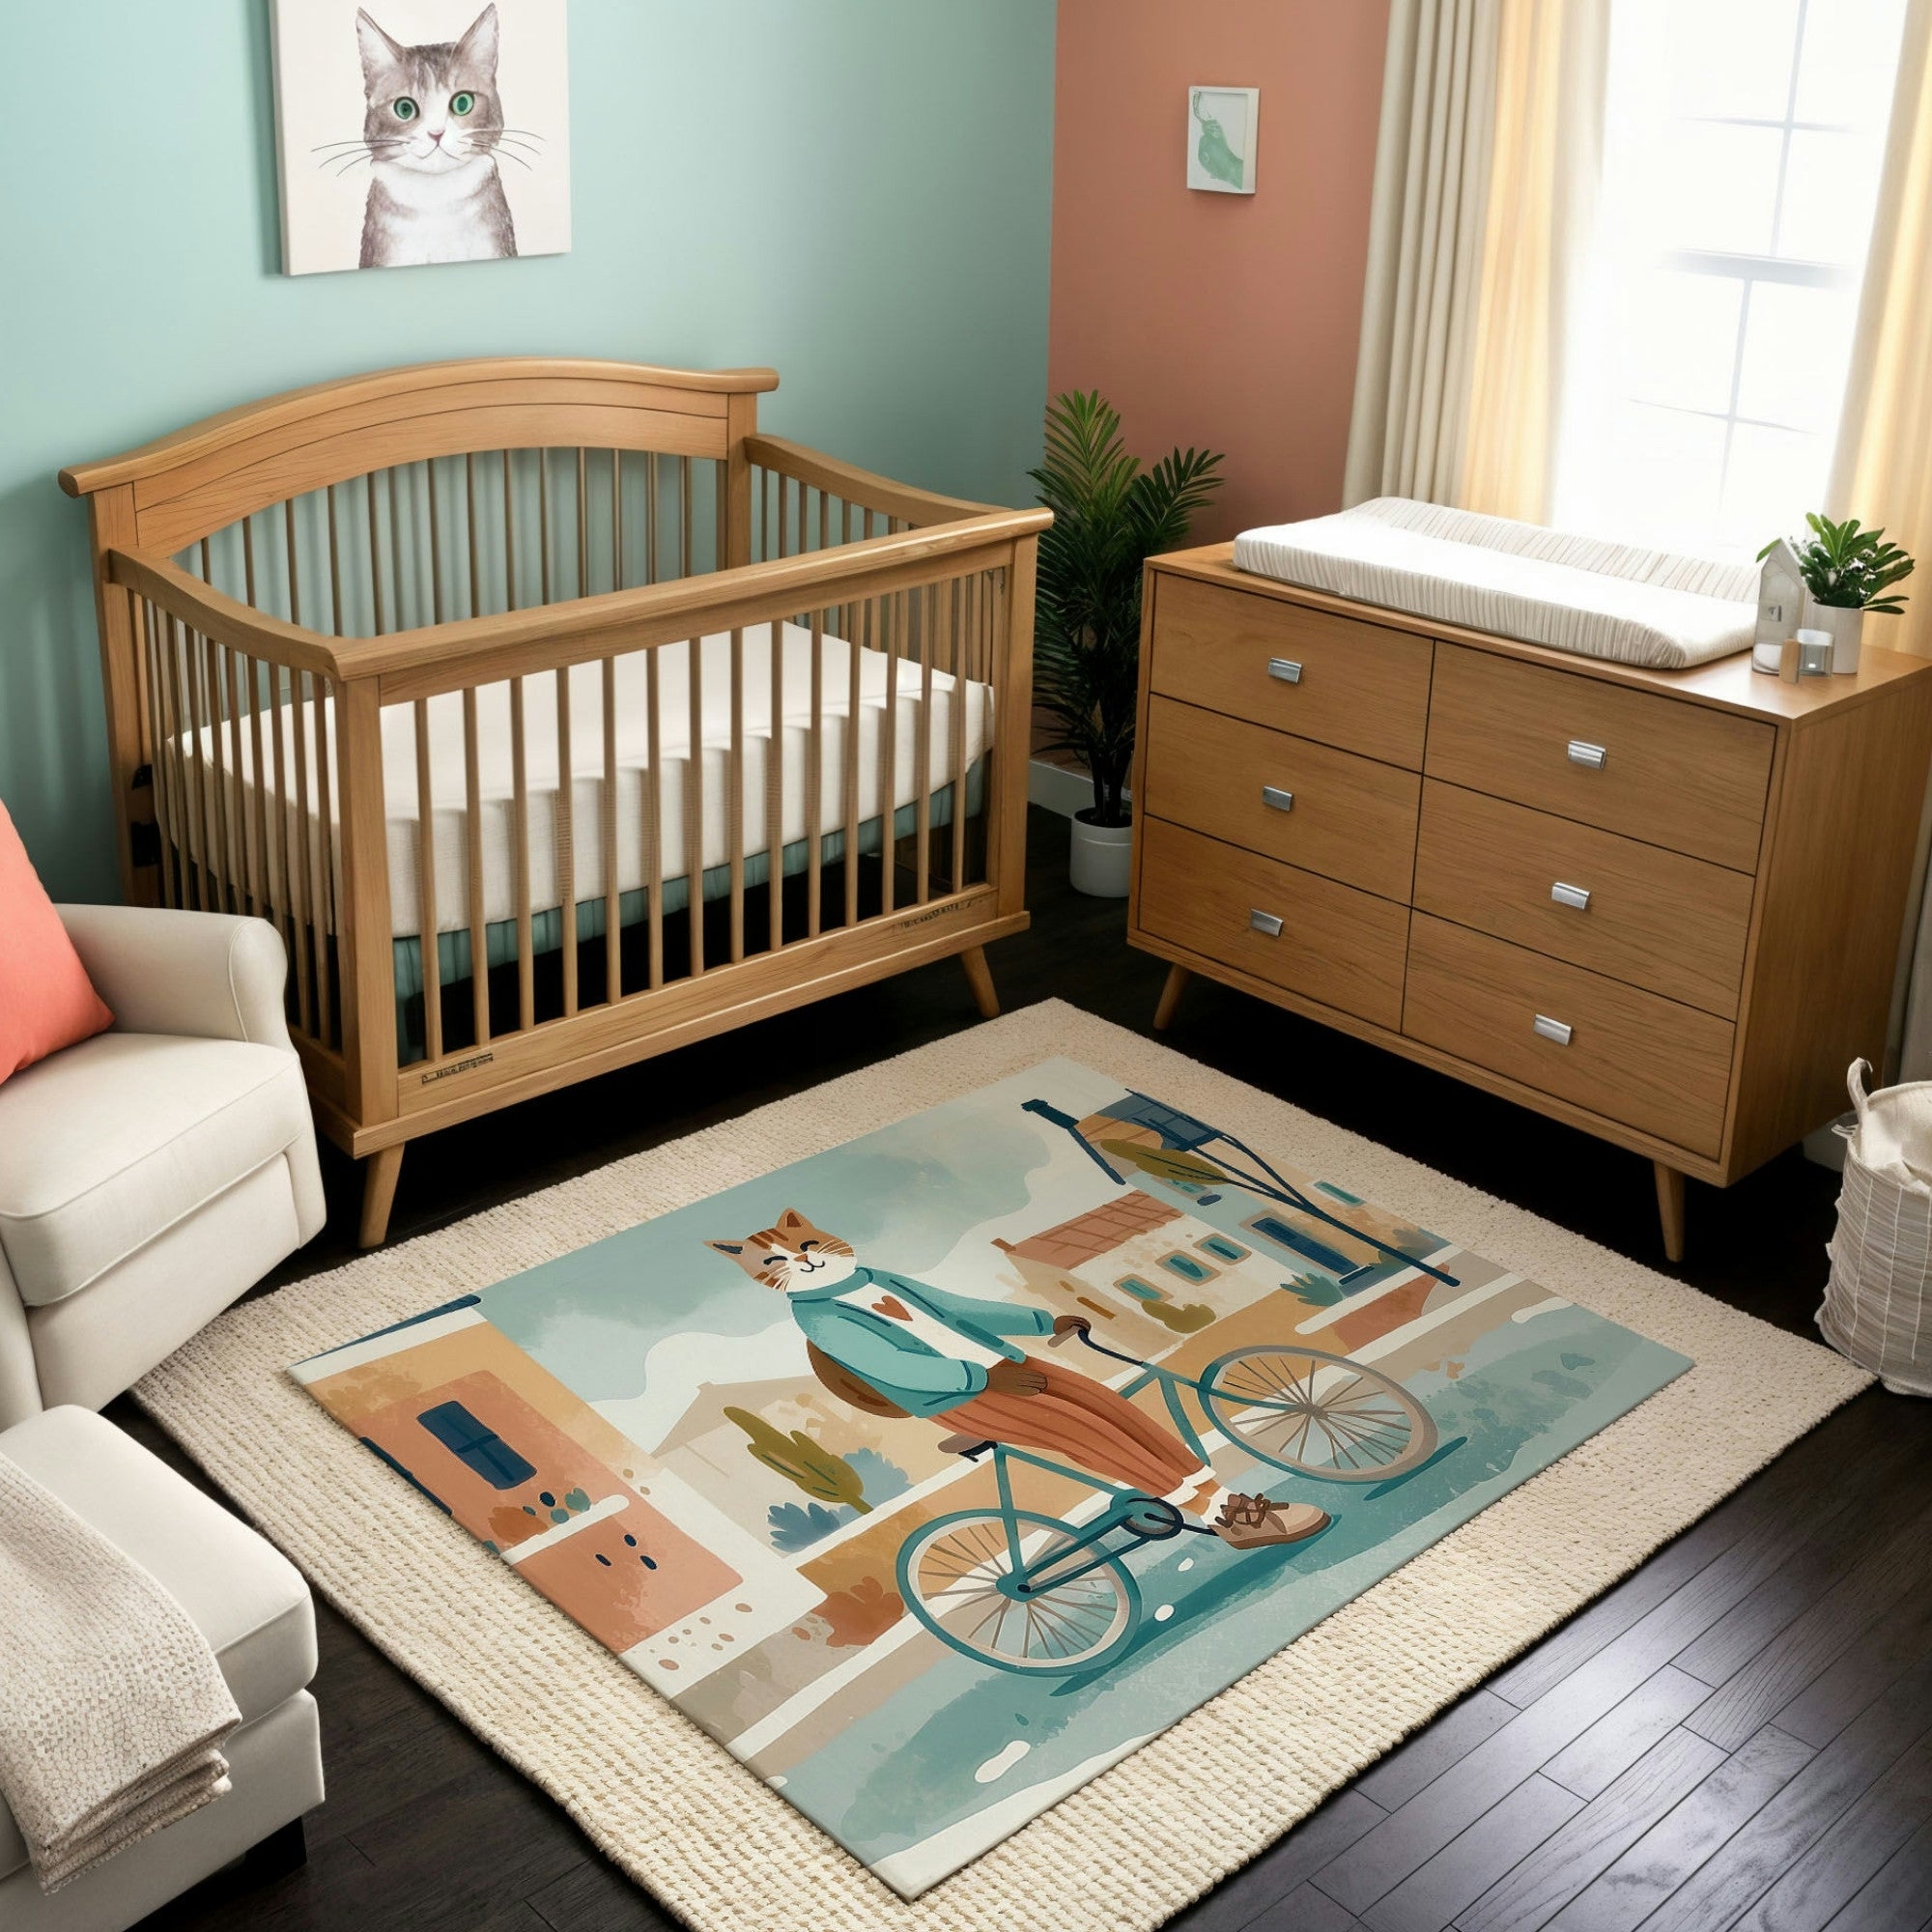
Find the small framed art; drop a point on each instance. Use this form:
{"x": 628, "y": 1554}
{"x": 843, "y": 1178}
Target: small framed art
{"x": 1221, "y": 138}
{"x": 421, "y": 130}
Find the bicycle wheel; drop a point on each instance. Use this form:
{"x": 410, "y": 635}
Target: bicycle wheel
{"x": 950, "y": 1575}
{"x": 1318, "y": 1415}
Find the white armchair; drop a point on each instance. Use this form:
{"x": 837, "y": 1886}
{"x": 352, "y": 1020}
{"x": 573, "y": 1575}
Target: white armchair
{"x": 151, "y": 1175}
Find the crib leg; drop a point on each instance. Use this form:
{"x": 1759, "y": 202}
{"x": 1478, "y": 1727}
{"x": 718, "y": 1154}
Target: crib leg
{"x": 378, "y": 1193}
{"x": 979, "y": 977}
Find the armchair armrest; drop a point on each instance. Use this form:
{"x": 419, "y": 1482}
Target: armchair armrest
{"x": 207, "y": 975}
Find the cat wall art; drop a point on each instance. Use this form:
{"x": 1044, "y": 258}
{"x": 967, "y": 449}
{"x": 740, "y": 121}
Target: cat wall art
{"x": 419, "y": 132}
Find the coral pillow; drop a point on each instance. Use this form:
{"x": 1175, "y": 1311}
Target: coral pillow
{"x": 46, "y": 1000}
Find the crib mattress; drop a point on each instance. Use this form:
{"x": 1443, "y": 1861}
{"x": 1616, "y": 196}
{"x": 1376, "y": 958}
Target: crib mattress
{"x": 1573, "y": 593}
{"x": 786, "y": 725}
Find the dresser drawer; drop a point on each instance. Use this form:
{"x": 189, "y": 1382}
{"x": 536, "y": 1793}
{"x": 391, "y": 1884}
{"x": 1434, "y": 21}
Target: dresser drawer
{"x": 1328, "y": 811}
{"x": 1359, "y": 686}
{"x": 1335, "y": 945}
{"x": 1638, "y": 762}
{"x": 1661, "y": 921}
{"x": 1632, "y": 1057}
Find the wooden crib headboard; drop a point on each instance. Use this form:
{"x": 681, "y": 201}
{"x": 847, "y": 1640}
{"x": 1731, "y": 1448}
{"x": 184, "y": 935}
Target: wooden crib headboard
{"x": 172, "y": 492}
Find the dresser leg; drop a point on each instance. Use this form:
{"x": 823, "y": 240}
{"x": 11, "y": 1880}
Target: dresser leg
{"x": 1177, "y": 977}
{"x": 1670, "y": 1210}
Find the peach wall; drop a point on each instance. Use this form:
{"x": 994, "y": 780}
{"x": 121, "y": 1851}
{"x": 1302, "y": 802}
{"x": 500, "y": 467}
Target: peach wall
{"x": 1222, "y": 319}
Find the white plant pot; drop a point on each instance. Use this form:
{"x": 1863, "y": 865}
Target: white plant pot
{"x": 1847, "y": 627}
{"x": 1101, "y": 859}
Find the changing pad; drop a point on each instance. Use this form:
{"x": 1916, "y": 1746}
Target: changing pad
{"x": 1573, "y": 593}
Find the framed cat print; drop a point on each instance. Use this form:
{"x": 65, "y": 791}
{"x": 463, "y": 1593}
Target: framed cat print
{"x": 411, "y": 132}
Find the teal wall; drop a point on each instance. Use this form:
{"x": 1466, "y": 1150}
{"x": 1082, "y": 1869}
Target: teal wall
{"x": 854, "y": 191}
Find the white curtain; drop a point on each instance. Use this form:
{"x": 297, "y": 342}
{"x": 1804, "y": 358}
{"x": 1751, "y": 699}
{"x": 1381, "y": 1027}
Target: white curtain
{"x": 1882, "y": 472}
{"x": 1484, "y": 166}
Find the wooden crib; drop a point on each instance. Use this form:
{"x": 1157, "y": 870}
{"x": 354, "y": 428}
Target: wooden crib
{"x": 556, "y": 718}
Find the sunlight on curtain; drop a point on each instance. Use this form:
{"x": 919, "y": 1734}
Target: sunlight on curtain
{"x": 1742, "y": 151}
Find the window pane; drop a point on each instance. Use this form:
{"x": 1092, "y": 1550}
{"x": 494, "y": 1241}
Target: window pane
{"x": 1775, "y": 475}
{"x": 1845, "y": 72}
{"x": 1732, "y": 56}
{"x": 1830, "y": 185}
{"x": 1719, "y": 186}
{"x": 1660, "y": 475}
{"x": 1681, "y": 340}
{"x": 1797, "y": 344}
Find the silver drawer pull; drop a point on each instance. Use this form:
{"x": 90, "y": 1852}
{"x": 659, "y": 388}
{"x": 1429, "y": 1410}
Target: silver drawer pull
{"x": 1286, "y": 668}
{"x": 1571, "y": 896}
{"x": 1584, "y": 753}
{"x": 1550, "y": 1029}
{"x": 1265, "y": 922}
{"x": 1277, "y": 798}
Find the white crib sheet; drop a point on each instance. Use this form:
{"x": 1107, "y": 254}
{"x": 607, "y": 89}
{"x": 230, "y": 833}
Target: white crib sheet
{"x": 1573, "y": 593}
{"x": 448, "y": 815}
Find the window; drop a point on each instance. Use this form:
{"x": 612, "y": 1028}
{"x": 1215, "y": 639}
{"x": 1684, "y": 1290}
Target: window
{"x": 1187, "y": 1267}
{"x": 1325, "y": 1258}
{"x": 1141, "y": 1290}
{"x": 482, "y": 1449}
{"x": 1713, "y": 325}
{"x": 1221, "y": 1248}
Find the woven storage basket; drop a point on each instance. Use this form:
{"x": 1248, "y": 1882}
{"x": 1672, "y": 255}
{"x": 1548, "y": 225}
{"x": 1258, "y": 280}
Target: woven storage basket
{"x": 1878, "y": 1304}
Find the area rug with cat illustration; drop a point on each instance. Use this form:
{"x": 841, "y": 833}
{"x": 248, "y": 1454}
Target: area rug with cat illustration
{"x": 948, "y": 1474}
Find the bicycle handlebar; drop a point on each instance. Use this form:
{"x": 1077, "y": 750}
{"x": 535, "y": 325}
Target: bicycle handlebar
{"x": 1100, "y": 1347}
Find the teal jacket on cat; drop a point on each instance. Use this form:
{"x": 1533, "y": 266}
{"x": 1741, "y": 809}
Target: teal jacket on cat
{"x": 884, "y": 1354}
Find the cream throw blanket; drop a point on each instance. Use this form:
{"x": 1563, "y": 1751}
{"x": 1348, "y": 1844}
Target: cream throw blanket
{"x": 112, "y": 1707}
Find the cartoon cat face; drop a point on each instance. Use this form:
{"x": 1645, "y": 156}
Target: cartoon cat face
{"x": 433, "y": 108}
{"x": 793, "y": 1255}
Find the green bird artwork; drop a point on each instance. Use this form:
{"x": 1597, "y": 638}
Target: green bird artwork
{"x": 1213, "y": 151}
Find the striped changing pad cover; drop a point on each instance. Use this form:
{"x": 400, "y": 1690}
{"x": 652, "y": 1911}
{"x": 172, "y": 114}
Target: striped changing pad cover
{"x": 1573, "y": 593}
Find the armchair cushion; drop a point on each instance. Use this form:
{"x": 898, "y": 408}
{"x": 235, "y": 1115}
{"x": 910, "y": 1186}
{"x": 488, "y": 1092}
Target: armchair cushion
{"x": 47, "y": 1001}
{"x": 107, "y": 1146}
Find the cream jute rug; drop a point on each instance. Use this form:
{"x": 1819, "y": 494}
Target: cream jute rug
{"x": 682, "y": 1817}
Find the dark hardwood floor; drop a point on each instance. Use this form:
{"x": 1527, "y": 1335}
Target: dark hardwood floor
{"x": 1738, "y": 1735}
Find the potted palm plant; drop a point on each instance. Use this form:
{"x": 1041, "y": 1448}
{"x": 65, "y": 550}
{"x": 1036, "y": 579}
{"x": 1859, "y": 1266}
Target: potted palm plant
{"x": 1847, "y": 570}
{"x": 1109, "y": 516}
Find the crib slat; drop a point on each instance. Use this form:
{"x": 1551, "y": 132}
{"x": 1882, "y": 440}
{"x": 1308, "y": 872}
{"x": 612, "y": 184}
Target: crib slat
{"x": 429, "y": 928}
{"x": 473, "y": 827}
{"x": 434, "y": 542}
{"x": 653, "y": 811}
{"x": 721, "y": 515}
{"x": 617, "y": 520}
{"x": 583, "y": 523}
{"x": 520, "y": 834}
{"x": 285, "y": 895}
{"x": 566, "y": 843}
{"x": 683, "y": 515}
{"x": 815, "y": 783}
{"x": 325, "y": 772}
{"x": 239, "y": 876}
{"x": 852, "y": 720}
{"x": 775, "y": 797}
{"x": 509, "y": 532}
{"x": 964, "y": 590}
{"x": 889, "y": 768}
{"x": 783, "y": 501}
{"x": 262, "y": 887}
{"x": 376, "y": 549}
{"x": 334, "y": 566}
{"x": 735, "y": 797}
{"x": 302, "y": 903}
{"x": 295, "y": 573}
{"x": 651, "y": 571}
{"x": 543, "y": 522}
{"x": 470, "y": 528}
{"x": 197, "y": 840}
{"x": 395, "y": 495}
{"x": 613, "y": 957}
{"x": 163, "y": 753}
{"x": 693, "y": 805}
{"x": 922, "y": 763}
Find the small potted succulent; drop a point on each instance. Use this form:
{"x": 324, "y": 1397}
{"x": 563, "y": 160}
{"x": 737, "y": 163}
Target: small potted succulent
{"x": 1109, "y": 517}
{"x": 1848, "y": 570}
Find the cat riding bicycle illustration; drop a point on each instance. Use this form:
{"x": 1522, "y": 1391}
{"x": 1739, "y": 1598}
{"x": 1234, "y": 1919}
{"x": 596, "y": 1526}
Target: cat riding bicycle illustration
{"x": 1036, "y": 1593}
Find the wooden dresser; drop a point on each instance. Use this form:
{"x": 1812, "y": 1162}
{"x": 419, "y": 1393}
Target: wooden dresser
{"x": 1663, "y": 906}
